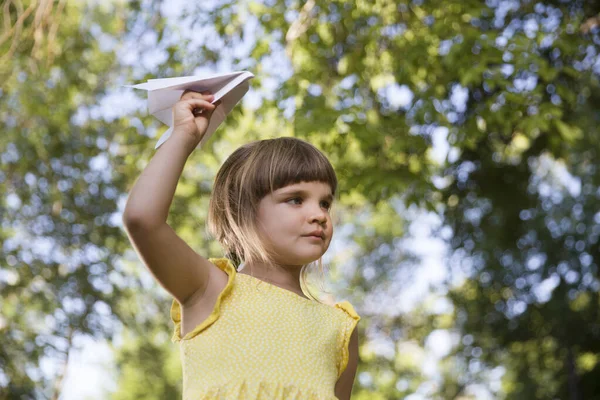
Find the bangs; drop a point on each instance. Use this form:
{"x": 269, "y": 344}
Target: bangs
{"x": 287, "y": 161}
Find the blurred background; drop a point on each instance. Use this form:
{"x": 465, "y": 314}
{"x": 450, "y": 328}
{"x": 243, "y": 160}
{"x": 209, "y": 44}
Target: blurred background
{"x": 464, "y": 134}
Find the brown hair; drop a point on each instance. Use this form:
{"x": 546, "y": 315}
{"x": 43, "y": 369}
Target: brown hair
{"x": 250, "y": 173}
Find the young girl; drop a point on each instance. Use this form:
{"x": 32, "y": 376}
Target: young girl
{"x": 249, "y": 333}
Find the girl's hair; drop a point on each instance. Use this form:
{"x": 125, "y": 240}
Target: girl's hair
{"x": 253, "y": 171}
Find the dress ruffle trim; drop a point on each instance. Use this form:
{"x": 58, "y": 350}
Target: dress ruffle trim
{"x": 224, "y": 264}
{"x": 346, "y": 332}
{"x": 348, "y": 309}
{"x": 249, "y": 390}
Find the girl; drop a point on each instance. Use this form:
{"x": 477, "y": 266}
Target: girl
{"x": 248, "y": 335}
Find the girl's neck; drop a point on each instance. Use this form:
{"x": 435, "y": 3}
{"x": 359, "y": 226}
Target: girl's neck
{"x": 286, "y": 277}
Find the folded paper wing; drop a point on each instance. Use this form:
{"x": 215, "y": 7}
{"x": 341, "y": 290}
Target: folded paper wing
{"x": 164, "y": 93}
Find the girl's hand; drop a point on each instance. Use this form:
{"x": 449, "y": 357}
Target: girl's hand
{"x": 191, "y": 115}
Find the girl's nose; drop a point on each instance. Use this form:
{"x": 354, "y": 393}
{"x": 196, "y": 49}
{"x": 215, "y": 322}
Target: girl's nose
{"x": 319, "y": 216}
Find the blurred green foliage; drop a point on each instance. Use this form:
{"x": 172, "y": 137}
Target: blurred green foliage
{"x": 510, "y": 87}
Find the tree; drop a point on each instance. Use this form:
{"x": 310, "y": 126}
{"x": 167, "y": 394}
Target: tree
{"x": 508, "y": 85}
{"x": 60, "y": 240}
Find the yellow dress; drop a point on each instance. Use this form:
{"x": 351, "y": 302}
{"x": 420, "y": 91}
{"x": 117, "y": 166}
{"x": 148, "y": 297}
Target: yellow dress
{"x": 263, "y": 342}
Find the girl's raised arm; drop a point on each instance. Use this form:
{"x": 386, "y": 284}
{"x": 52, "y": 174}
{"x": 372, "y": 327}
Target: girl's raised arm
{"x": 177, "y": 267}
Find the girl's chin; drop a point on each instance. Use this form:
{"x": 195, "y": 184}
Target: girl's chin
{"x": 306, "y": 254}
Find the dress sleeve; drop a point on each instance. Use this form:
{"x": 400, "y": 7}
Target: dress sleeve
{"x": 225, "y": 265}
{"x": 350, "y": 320}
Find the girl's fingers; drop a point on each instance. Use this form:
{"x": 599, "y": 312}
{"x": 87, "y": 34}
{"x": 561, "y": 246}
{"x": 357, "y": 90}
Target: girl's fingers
{"x": 199, "y": 103}
{"x": 190, "y": 94}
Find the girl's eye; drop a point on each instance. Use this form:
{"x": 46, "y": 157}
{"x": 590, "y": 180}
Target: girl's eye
{"x": 298, "y": 200}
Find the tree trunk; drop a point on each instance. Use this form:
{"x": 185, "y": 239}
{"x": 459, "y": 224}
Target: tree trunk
{"x": 573, "y": 380}
{"x": 59, "y": 380}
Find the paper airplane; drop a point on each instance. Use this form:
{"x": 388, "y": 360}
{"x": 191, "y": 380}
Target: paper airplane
{"x": 164, "y": 93}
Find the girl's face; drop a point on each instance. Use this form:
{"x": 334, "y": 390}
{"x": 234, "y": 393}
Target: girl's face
{"x": 289, "y": 216}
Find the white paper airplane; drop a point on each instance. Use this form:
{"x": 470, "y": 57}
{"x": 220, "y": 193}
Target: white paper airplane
{"x": 164, "y": 93}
